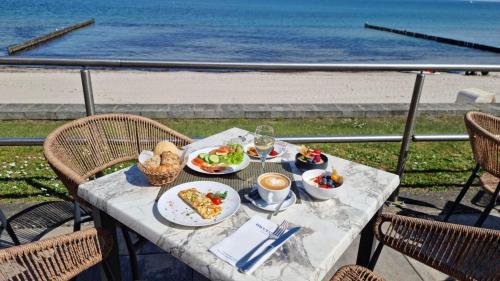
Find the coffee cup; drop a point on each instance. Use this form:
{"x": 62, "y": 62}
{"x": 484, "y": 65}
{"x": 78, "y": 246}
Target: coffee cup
{"x": 273, "y": 187}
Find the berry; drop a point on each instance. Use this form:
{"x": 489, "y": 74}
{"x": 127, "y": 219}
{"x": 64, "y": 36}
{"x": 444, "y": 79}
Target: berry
{"x": 317, "y": 158}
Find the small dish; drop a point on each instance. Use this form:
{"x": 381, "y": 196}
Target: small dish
{"x": 254, "y": 198}
{"x": 303, "y": 165}
{"x": 315, "y": 191}
{"x": 280, "y": 150}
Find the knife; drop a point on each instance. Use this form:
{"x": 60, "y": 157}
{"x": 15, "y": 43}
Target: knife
{"x": 245, "y": 267}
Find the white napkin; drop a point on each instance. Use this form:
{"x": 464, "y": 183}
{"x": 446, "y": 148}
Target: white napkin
{"x": 246, "y": 238}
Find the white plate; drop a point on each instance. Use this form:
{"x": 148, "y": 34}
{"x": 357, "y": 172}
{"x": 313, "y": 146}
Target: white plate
{"x": 175, "y": 210}
{"x": 261, "y": 204}
{"x": 228, "y": 170}
{"x": 279, "y": 148}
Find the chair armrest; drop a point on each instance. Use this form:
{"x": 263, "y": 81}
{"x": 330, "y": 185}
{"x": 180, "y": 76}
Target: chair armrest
{"x": 463, "y": 252}
{"x": 58, "y": 258}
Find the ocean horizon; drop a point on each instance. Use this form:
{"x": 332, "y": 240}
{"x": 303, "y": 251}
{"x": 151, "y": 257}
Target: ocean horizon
{"x": 317, "y": 31}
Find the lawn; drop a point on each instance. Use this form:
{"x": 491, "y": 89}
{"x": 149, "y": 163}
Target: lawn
{"x": 25, "y": 176}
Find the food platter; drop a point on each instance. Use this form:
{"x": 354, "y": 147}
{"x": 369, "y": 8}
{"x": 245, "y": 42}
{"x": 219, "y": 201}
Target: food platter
{"x": 174, "y": 209}
{"x": 229, "y": 169}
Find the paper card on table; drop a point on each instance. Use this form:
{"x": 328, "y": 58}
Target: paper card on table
{"x": 233, "y": 248}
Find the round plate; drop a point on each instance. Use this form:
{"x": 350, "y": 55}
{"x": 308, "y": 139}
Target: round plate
{"x": 228, "y": 170}
{"x": 261, "y": 204}
{"x": 175, "y": 210}
{"x": 279, "y": 148}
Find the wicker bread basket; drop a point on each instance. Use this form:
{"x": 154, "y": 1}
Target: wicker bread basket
{"x": 158, "y": 178}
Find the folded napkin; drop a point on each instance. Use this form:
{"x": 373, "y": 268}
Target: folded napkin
{"x": 236, "y": 246}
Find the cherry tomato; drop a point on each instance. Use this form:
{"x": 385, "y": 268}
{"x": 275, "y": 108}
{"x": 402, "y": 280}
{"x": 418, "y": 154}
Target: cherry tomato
{"x": 273, "y": 153}
{"x": 209, "y": 195}
{"x": 216, "y": 200}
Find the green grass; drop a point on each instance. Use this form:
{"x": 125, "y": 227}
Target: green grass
{"x": 25, "y": 176}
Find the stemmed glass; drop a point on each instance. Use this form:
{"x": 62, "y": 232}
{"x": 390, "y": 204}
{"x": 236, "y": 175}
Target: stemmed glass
{"x": 264, "y": 142}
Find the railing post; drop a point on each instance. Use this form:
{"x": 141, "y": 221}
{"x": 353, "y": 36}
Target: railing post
{"x": 88, "y": 95}
{"x": 408, "y": 133}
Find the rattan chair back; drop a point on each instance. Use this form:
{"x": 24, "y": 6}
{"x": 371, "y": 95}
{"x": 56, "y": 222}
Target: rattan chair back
{"x": 58, "y": 258}
{"x": 463, "y": 252}
{"x": 79, "y": 149}
{"x": 484, "y": 134}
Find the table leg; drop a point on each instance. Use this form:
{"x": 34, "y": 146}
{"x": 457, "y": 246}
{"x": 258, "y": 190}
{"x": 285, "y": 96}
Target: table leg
{"x": 112, "y": 261}
{"x": 366, "y": 242}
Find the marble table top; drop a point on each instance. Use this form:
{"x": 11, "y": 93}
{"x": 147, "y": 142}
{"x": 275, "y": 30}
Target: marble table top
{"x": 328, "y": 227}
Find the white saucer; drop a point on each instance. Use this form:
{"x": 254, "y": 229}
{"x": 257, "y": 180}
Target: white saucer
{"x": 261, "y": 204}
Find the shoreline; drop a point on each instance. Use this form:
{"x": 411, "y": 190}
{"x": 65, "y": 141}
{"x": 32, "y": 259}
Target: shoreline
{"x": 21, "y": 85}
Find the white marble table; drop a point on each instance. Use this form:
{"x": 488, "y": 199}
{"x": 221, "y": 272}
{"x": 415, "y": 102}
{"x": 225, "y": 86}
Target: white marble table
{"x": 328, "y": 227}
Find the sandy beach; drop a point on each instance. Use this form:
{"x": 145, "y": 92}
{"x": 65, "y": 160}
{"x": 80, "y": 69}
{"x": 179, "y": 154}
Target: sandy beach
{"x": 63, "y": 86}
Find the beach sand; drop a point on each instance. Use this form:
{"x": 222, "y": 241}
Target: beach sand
{"x": 63, "y": 86}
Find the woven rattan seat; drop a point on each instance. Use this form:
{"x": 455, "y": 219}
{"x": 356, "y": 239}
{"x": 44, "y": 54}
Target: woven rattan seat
{"x": 484, "y": 132}
{"x": 84, "y": 147}
{"x": 58, "y": 258}
{"x": 463, "y": 252}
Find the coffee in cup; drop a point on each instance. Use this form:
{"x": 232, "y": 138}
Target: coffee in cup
{"x": 273, "y": 187}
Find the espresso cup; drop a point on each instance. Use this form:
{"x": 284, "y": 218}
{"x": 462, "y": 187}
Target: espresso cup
{"x": 273, "y": 187}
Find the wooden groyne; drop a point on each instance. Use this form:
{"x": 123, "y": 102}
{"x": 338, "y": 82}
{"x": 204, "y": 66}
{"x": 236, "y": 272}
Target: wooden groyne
{"x": 47, "y": 37}
{"x": 444, "y": 40}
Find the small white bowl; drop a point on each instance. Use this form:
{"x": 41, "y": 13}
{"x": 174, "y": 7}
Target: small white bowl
{"x": 313, "y": 189}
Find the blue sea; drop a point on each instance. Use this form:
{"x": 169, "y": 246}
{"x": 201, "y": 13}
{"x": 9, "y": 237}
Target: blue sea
{"x": 315, "y": 31}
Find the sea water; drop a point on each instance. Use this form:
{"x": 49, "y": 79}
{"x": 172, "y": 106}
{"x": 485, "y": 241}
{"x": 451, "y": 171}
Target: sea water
{"x": 315, "y": 31}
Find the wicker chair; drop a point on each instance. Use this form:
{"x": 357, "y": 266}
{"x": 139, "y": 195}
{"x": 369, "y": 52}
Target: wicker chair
{"x": 484, "y": 132}
{"x": 58, "y": 258}
{"x": 463, "y": 252}
{"x": 82, "y": 149}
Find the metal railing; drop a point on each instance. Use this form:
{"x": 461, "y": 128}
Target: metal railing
{"x": 405, "y": 139}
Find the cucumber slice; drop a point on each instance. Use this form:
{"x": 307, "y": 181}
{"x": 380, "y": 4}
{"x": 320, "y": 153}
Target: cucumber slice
{"x": 214, "y": 159}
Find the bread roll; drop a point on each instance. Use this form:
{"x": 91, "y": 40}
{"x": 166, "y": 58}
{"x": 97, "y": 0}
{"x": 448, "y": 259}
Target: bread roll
{"x": 153, "y": 162}
{"x": 164, "y": 146}
{"x": 168, "y": 158}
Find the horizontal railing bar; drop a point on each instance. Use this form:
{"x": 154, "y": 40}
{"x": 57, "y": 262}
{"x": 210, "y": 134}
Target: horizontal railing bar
{"x": 21, "y": 141}
{"x": 431, "y": 138}
{"x": 116, "y": 63}
{"x": 296, "y": 139}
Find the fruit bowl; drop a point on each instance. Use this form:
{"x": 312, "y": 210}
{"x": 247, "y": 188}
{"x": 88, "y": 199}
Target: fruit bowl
{"x": 315, "y": 191}
{"x": 304, "y": 165}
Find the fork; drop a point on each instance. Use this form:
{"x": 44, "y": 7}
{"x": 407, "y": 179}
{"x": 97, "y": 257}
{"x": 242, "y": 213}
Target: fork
{"x": 280, "y": 229}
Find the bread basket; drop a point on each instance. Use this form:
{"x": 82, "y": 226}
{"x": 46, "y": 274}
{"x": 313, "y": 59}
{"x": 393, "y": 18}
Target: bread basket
{"x": 158, "y": 178}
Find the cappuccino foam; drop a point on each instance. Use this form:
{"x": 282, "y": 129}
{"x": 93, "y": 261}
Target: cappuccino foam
{"x": 274, "y": 182}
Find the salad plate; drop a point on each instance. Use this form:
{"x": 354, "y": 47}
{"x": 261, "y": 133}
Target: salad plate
{"x": 172, "y": 207}
{"x": 219, "y": 160}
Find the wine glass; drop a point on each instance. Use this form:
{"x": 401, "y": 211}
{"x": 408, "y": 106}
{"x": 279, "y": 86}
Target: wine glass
{"x": 264, "y": 142}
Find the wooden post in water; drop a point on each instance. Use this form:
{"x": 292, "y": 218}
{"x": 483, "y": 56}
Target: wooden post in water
{"x": 47, "y": 37}
{"x": 444, "y": 40}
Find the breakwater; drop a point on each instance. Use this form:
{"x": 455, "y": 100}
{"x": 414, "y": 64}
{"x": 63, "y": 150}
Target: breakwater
{"x": 47, "y": 37}
{"x": 440, "y": 39}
